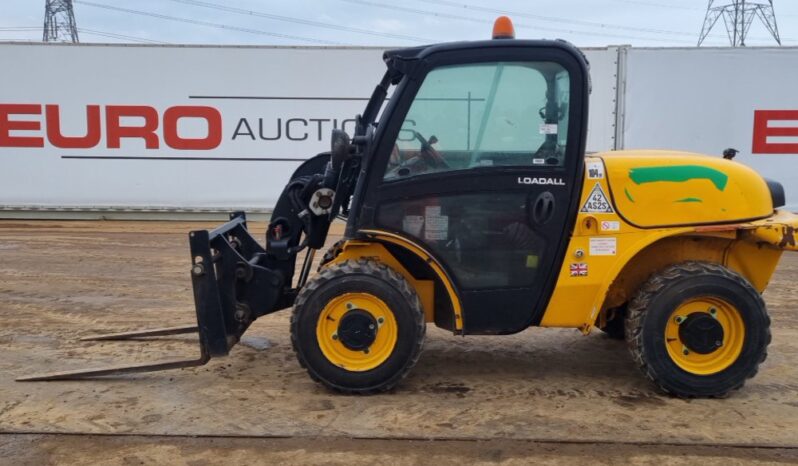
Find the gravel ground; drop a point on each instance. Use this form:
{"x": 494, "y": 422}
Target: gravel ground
{"x": 545, "y": 395}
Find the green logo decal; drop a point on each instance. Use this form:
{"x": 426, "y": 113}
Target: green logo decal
{"x": 679, "y": 173}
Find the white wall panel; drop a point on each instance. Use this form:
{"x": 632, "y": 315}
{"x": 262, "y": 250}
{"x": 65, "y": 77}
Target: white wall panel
{"x": 704, "y": 100}
{"x": 290, "y": 98}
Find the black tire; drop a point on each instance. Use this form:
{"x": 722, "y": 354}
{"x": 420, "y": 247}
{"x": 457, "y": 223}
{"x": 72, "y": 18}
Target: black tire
{"x": 615, "y": 327}
{"x": 361, "y": 276}
{"x": 331, "y": 253}
{"x": 650, "y": 309}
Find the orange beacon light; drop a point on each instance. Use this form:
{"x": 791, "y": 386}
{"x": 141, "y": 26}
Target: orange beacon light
{"x": 503, "y": 28}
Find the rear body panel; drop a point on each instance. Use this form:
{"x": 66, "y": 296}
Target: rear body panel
{"x": 634, "y": 220}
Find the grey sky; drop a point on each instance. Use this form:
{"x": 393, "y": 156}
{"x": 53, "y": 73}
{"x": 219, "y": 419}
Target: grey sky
{"x": 389, "y": 22}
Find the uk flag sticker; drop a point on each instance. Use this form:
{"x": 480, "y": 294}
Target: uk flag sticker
{"x": 579, "y": 269}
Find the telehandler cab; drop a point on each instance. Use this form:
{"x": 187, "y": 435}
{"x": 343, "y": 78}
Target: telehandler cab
{"x": 470, "y": 203}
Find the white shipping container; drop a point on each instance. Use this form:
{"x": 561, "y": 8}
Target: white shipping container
{"x": 275, "y": 106}
{"x": 271, "y": 108}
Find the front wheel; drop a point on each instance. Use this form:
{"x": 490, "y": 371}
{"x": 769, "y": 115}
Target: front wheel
{"x": 358, "y": 327}
{"x": 698, "y": 330}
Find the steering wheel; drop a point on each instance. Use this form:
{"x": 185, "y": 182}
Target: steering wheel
{"x": 428, "y": 153}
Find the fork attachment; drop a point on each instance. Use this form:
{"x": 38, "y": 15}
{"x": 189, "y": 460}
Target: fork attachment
{"x": 130, "y": 369}
{"x": 233, "y": 286}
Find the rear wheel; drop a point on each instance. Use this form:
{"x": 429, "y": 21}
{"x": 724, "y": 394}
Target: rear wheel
{"x": 358, "y": 327}
{"x": 698, "y": 330}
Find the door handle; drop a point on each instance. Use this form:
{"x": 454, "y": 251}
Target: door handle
{"x": 543, "y": 208}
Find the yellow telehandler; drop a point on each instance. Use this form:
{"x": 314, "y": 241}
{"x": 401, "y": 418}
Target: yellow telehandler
{"x": 470, "y": 203}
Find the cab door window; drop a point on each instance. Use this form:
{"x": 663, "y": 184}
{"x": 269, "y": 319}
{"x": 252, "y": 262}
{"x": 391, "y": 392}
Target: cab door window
{"x": 484, "y": 115}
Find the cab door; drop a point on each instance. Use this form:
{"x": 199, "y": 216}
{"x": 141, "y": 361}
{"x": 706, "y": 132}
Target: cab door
{"x": 481, "y": 162}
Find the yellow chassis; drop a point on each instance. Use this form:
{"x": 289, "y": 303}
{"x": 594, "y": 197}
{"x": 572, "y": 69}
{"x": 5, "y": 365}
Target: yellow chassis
{"x": 752, "y": 249}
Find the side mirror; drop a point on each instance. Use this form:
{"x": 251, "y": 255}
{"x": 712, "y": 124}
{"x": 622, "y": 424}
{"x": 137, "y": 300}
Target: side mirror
{"x": 340, "y": 148}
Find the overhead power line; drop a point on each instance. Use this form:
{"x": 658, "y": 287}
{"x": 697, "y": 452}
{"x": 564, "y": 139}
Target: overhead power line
{"x": 205, "y": 23}
{"x": 307, "y": 22}
{"x": 114, "y": 35}
{"x": 85, "y": 31}
{"x": 428, "y": 13}
{"x": 680, "y": 7}
{"x": 555, "y": 19}
{"x": 660, "y": 5}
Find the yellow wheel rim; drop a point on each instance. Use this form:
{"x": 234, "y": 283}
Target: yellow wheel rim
{"x": 331, "y": 343}
{"x": 723, "y": 356}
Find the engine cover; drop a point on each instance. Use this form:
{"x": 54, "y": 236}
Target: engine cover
{"x": 665, "y": 189}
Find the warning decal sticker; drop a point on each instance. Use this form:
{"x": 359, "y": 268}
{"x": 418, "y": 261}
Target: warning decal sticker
{"x": 548, "y": 128}
{"x": 595, "y": 170}
{"x": 436, "y": 226}
{"x": 597, "y": 202}
{"x": 603, "y": 246}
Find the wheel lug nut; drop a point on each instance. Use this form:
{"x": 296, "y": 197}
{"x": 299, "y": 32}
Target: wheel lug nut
{"x": 366, "y": 351}
{"x": 334, "y": 336}
{"x": 679, "y": 319}
{"x": 380, "y": 320}
{"x": 685, "y": 351}
{"x": 350, "y": 305}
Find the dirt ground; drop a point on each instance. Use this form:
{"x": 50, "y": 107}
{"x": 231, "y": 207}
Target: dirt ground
{"x": 547, "y": 396}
